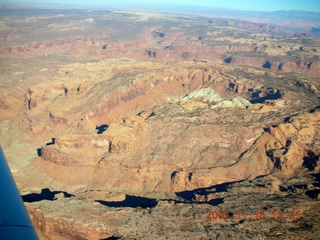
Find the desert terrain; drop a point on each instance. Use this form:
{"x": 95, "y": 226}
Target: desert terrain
{"x": 144, "y": 125}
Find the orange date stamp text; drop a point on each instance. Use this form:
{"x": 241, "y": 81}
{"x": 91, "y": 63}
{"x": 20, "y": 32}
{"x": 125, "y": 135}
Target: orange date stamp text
{"x": 256, "y": 215}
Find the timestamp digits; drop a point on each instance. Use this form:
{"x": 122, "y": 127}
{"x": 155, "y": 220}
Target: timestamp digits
{"x": 257, "y": 215}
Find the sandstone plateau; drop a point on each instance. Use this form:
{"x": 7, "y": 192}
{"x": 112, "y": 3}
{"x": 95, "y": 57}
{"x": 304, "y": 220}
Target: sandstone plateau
{"x": 136, "y": 125}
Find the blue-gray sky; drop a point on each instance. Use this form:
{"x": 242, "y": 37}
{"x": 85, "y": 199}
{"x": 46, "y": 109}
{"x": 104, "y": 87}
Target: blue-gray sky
{"x": 254, "y": 5}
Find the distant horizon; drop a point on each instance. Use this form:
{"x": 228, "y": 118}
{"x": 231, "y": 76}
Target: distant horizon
{"x": 238, "y": 5}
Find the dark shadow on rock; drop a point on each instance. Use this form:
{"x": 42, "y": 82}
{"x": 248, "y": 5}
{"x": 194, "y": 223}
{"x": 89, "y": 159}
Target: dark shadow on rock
{"x": 102, "y": 128}
{"x": 132, "y": 201}
{"x": 317, "y": 176}
{"x": 267, "y": 129}
{"x": 228, "y": 60}
{"x": 39, "y": 152}
{"x": 315, "y": 109}
{"x": 313, "y": 193}
{"x": 283, "y": 188}
{"x": 267, "y": 65}
{"x": 317, "y": 179}
{"x": 270, "y": 96}
{"x": 298, "y": 186}
{"x": 310, "y": 161}
{"x": 275, "y": 160}
{"x": 45, "y": 194}
{"x": 151, "y": 115}
{"x": 288, "y": 119}
{"x": 111, "y": 238}
{"x": 53, "y": 141}
{"x": 215, "y": 202}
{"x": 190, "y": 196}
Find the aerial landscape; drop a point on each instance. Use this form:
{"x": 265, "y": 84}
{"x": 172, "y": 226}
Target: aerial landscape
{"x": 171, "y": 120}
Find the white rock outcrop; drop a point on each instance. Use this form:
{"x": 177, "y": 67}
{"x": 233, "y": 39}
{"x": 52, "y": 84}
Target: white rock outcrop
{"x": 204, "y": 95}
{"x": 208, "y": 95}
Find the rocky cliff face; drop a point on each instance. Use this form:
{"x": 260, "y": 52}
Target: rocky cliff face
{"x": 308, "y": 67}
{"x": 214, "y": 45}
{"x": 63, "y": 228}
{"x": 165, "y": 133}
{"x": 186, "y": 100}
{"x": 294, "y": 144}
{"x": 266, "y": 28}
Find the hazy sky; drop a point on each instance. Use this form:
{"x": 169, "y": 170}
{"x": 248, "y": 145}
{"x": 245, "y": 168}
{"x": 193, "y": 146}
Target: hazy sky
{"x": 255, "y": 5}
